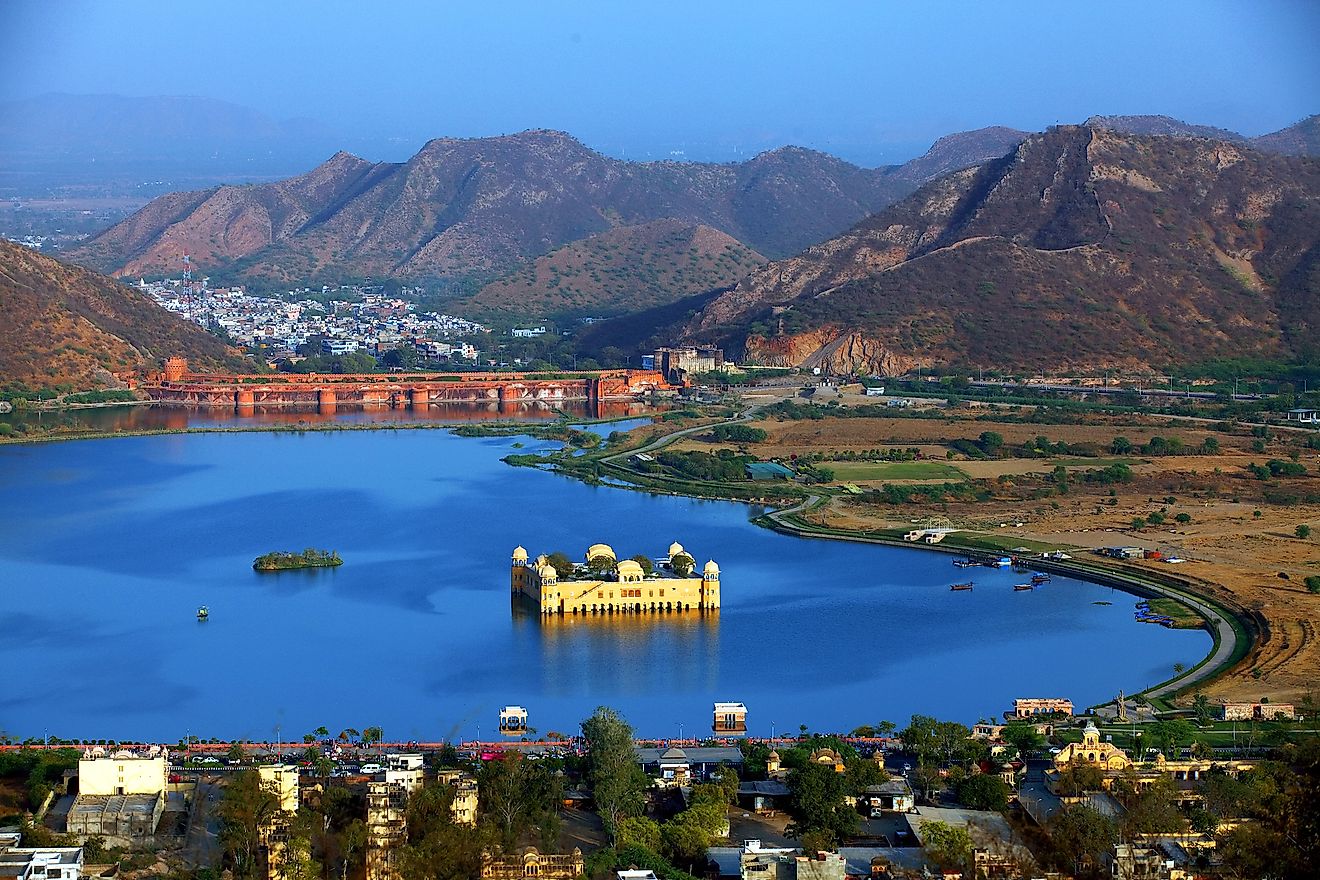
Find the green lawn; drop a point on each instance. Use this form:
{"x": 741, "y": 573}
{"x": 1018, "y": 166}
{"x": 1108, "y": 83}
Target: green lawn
{"x": 1183, "y": 617}
{"x": 852, "y": 471}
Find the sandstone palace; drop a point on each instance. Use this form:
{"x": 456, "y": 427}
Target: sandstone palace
{"x": 604, "y": 584}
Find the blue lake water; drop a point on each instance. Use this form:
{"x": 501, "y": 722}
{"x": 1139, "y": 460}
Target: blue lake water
{"x": 107, "y": 548}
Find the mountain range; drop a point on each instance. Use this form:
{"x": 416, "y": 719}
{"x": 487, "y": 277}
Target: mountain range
{"x": 1083, "y": 248}
{"x": 66, "y": 325}
{"x": 488, "y": 205}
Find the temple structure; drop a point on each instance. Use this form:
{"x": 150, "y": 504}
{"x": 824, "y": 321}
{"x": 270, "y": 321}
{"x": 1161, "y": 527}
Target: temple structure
{"x": 605, "y": 584}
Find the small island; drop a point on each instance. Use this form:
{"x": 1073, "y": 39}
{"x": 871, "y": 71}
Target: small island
{"x": 310, "y": 558}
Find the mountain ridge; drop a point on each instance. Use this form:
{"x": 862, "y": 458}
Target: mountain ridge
{"x": 1084, "y": 248}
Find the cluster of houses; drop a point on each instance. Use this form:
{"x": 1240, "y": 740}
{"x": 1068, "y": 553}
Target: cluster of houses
{"x": 362, "y": 321}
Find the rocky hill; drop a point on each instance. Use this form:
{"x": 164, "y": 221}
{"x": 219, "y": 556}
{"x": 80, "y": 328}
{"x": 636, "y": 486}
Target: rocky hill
{"x": 485, "y": 206}
{"x": 1299, "y": 139}
{"x": 1165, "y": 125}
{"x": 66, "y": 325}
{"x": 624, "y": 270}
{"x": 1085, "y": 248}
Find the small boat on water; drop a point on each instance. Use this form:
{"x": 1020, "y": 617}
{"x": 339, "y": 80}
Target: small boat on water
{"x": 1039, "y": 578}
{"x": 203, "y": 613}
{"x": 965, "y": 563}
{"x": 1020, "y": 587}
{"x": 966, "y": 586}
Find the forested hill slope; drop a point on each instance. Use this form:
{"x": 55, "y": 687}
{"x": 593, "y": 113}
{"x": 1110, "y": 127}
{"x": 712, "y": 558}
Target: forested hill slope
{"x": 66, "y": 325}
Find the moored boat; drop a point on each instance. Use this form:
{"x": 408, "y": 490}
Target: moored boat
{"x": 1024, "y": 586}
{"x": 966, "y": 586}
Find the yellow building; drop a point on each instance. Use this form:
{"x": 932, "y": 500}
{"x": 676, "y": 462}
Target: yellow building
{"x": 282, "y": 781}
{"x": 1091, "y": 750}
{"x": 464, "y": 805}
{"x": 122, "y": 773}
{"x": 622, "y": 588}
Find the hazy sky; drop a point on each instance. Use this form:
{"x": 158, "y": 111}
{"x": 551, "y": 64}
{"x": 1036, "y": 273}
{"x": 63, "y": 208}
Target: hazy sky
{"x": 871, "y": 81}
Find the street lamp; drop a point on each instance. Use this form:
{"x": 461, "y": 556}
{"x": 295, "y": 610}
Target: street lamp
{"x": 680, "y": 731}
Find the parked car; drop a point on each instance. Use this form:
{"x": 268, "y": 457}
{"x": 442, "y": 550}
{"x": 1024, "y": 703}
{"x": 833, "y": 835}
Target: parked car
{"x": 370, "y": 769}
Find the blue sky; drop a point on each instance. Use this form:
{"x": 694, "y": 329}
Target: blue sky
{"x": 874, "y": 82}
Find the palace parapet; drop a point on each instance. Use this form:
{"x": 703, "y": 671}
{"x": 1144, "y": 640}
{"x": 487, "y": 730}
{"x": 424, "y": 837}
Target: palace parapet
{"x": 604, "y": 584}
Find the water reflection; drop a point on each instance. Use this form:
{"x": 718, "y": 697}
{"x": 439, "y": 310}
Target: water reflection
{"x": 620, "y": 652}
{"x": 177, "y": 418}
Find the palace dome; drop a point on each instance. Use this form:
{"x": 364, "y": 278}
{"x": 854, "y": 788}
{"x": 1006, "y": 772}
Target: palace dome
{"x": 600, "y": 550}
{"x": 629, "y": 567}
{"x": 675, "y": 549}
{"x": 548, "y": 572}
{"x": 711, "y": 568}
{"x": 520, "y": 553}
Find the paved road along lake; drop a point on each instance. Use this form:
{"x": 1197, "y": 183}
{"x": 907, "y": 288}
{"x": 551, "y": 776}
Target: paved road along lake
{"x": 107, "y": 548}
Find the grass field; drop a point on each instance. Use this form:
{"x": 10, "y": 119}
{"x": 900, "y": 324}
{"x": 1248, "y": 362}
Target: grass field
{"x": 852, "y": 471}
{"x": 1183, "y": 617}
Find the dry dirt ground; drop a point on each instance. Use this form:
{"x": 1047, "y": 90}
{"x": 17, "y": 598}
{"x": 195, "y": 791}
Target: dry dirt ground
{"x": 1239, "y": 548}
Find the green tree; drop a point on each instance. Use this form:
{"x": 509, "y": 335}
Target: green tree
{"x": 372, "y": 735}
{"x": 562, "y": 565}
{"x": 1023, "y": 737}
{"x": 816, "y": 802}
{"x": 617, "y": 782}
{"x": 983, "y": 791}
{"x": 648, "y": 567}
{"x": 435, "y": 847}
{"x": 246, "y": 808}
{"x": 236, "y": 752}
{"x": 1170, "y": 735}
{"x": 1080, "y": 838}
{"x": 518, "y": 795}
{"x": 949, "y": 846}
{"x": 683, "y": 564}
{"x": 1202, "y": 709}
{"x": 638, "y": 830}
{"x": 599, "y": 565}
{"x": 1121, "y": 446}
{"x": 1303, "y": 531}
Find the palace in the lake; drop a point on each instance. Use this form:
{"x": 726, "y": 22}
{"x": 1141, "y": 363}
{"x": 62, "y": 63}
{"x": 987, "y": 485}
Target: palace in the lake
{"x": 605, "y": 584}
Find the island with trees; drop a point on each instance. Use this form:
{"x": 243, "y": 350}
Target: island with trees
{"x": 282, "y": 560}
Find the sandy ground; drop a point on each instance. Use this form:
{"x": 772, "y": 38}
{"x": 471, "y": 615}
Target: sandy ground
{"x": 1239, "y": 548}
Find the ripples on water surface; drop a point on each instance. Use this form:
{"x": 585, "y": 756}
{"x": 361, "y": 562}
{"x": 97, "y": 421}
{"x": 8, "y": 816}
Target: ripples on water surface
{"x": 108, "y": 547}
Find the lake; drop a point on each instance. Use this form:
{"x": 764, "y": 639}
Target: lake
{"x": 107, "y": 548}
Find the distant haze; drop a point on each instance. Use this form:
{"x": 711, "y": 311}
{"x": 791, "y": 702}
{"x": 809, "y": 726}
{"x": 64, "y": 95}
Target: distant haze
{"x": 874, "y": 83}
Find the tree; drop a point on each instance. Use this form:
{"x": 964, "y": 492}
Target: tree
{"x": 1202, "y": 710}
{"x": 372, "y": 735}
{"x": 617, "y": 782}
{"x": 983, "y": 791}
{"x": 816, "y": 802}
{"x": 1153, "y": 810}
{"x": 638, "y": 830}
{"x": 435, "y": 847}
{"x": 600, "y": 564}
{"x": 1303, "y": 531}
{"x": 1079, "y": 778}
{"x": 562, "y": 565}
{"x": 648, "y": 567}
{"x": 235, "y": 752}
{"x": 683, "y": 564}
{"x": 1170, "y": 735}
{"x": 518, "y": 795}
{"x": 949, "y": 846}
{"x": 818, "y": 841}
{"x": 1121, "y": 446}
{"x": 246, "y": 808}
{"x": 1080, "y": 838}
{"x": 1024, "y": 737}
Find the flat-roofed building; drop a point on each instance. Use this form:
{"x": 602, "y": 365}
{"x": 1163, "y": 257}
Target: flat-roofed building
{"x": 41, "y": 862}
{"x": 466, "y": 795}
{"x": 730, "y": 718}
{"x": 1258, "y": 711}
{"x": 513, "y": 720}
{"x": 1031, "y": 706}
{"x": 123, "y": 772}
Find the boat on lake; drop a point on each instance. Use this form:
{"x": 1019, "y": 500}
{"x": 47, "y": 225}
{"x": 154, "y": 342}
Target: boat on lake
{"x": 1024, "y": 587}
{"x": 966, "y": 586}
{"x": 203, "y": 613}
{"x": 1039, "y": 578}
{"x": 965, "y": 563}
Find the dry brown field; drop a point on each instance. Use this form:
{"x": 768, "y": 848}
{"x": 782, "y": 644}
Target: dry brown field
{"x": 1240, "y": 549}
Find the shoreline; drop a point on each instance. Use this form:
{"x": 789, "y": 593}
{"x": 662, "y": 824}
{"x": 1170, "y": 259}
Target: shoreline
{"x": 1233, "y": 637}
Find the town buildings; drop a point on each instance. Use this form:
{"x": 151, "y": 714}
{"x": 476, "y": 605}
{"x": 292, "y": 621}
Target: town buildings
{"x": 605, "y": 584}
{"x": 679, "y": 364}
{"x": 730, "y": 718}
{"x": 38, "y": 862}
{"x": 344, "y": 320}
